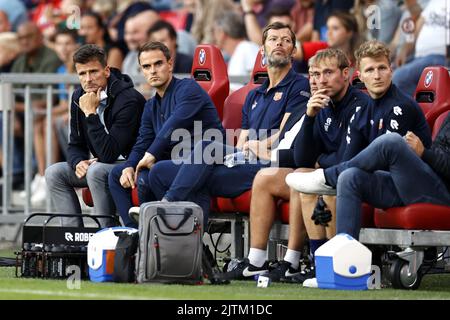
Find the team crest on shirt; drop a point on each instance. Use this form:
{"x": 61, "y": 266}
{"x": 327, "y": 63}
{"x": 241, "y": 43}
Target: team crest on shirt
{"x": 327, "y": 124}
{"x": 254, "y": 104}
{"x": 277, "y": 96}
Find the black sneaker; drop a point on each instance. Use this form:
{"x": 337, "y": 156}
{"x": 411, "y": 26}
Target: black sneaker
{"x": 308, "y": 273}
{"x": 282, "y": 272}
{"x": 243, "y": 270}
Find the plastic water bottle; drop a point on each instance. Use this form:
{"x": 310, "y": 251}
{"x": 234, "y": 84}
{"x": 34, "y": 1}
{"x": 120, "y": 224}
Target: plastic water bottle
{"x": 233, "y": 159}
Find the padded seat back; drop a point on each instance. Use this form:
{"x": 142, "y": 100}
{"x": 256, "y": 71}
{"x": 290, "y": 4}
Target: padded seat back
{"x": 178, "y": 19}
{"x": 432, "y": 92}
{"x": 232, "y": 111}
{"x": 210, "y": 71}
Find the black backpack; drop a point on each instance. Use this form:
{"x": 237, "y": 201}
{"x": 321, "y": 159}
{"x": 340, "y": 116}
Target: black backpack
{"x": 125, "y": 257}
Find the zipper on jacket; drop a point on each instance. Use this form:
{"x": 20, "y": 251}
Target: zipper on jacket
{"x": 158, "y": 257}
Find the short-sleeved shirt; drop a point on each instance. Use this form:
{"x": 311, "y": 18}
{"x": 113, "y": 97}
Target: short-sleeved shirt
{"x": 264, "y": 109}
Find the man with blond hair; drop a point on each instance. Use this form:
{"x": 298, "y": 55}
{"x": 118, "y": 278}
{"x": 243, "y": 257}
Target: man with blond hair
{"x": 327, "y": 115}
{"x": 390, "y": 111}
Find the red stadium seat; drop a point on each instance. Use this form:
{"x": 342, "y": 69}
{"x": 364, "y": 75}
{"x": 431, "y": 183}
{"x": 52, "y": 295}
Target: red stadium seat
{"x": 178, "y": 19}
{"x": 232, "y": 110}
{"x": 310, "y": 48}
{"x": 87, "y": 197}
{"x": 424, "y": 216}
{"x": 232, "y": 118}
{"x": 210, "y": 72}
{"x": 432, "y": 92}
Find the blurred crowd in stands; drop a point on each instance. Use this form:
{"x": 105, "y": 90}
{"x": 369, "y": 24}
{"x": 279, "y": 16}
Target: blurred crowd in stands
{"x": 42, "y": 36}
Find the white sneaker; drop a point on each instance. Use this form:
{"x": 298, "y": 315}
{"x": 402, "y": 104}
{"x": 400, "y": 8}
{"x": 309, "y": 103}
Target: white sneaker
{"x": 311, "y": 283}
{"x": 310, "y": 182}
{"x": 39, "y": 196}
{"x": 34, "y": 183}
{"x": 133, "y": 213}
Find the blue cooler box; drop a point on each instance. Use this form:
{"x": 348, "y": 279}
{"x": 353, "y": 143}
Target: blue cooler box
{"x": 343, "y": 263}
{"x": 101, "y": 253}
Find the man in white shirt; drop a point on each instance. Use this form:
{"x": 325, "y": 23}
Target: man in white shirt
{"x": 429, "y": 46}
{"x": 239, "y": 53}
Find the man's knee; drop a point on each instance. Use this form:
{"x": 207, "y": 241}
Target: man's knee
{"x": 351, "y": 178}
{"x": 97, "y": 172}
{"x": 154, "y": 176}
{"x": 55, "y": 173}
{"x": 391, "y": 142}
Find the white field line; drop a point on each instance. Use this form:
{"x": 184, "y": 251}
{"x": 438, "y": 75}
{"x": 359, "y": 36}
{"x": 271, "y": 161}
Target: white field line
{"x": 77, "y": 294}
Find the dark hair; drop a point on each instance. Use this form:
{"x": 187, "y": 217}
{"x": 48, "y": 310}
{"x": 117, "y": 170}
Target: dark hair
{"x": 88, "y": 53}
{"x": 161, "y": 25}
{"x": 154, "y": 45}
{"x": 278, "y": 11}
{"x": 100, "y": 24}
{"x": 277, "y": 26}
{"x": 350, "y": 24}
{"x": 97, "y": 17}
{"x": 69, "y": 32}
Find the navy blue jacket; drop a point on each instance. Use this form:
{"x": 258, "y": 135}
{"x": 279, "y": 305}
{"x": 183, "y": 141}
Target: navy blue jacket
{"x": 322, "y": 138}
{"x": 122, "y": 116}
{"x": 438, "y": 156}
{"x": 394, "y": 112}
{"x": 184, "y": 102}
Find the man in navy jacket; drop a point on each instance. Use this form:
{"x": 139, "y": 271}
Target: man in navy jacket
{"x": 105, "y": 115}
{"x": 180, "y": 108}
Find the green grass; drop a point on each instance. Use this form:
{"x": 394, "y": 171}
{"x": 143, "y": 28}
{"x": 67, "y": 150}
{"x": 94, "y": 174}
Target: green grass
{"x": 433, "y": 287}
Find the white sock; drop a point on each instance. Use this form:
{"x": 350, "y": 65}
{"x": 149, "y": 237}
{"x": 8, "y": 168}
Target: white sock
{"x": 257, "y": 257}
{"x": 293, "y": 257}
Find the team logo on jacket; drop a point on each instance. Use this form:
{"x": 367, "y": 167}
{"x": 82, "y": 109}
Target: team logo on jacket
{"x": 277, "y": 96}
{"x": 327, "y": 124}
{"x": 428, "y": 79}
{"x": 202, "y": 56}
{"x": 398, "y": 111}
{"x": 394, "y": 124}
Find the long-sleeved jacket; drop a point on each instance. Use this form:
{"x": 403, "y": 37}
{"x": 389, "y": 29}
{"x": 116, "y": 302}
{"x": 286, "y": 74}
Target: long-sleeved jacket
{"x": 122, "y": 116}
{"x": 184, "y": 102}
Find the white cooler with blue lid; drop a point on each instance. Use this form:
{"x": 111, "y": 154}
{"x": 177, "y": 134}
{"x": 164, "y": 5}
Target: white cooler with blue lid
{"x": 343, "y": 263}
{"x": 101, "y": 253}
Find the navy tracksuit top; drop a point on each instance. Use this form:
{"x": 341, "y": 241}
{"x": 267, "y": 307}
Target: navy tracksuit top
{"x": 322, "y": 138}
{"x": 184, "y": 102}
{"x": 393, "y": 112}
